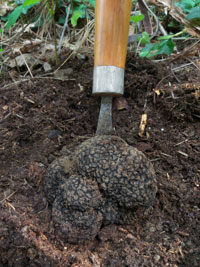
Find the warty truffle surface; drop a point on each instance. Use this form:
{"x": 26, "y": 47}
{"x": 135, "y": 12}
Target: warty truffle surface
{"x": 102, "y": 183}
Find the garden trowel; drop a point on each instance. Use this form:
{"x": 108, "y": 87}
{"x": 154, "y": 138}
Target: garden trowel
{"x": 111, "y": 39}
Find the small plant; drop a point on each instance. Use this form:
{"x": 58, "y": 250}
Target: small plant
{"x": 191, "y": 8}
{"x": 80, "y": 10}
{"x": 22, "y": 8}
{"x": 187, "y": 5}
{"x": 164, "y": 46}
{"x": 137, "y": 18}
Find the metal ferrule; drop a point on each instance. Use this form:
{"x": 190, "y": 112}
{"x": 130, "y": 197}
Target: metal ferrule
{"x": 108, "y": 80}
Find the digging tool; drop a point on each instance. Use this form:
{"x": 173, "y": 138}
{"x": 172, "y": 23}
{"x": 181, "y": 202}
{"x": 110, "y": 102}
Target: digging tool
{"x": 111, "y": 39}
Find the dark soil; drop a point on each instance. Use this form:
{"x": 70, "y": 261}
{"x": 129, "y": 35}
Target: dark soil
{"x": 40, "y": 116}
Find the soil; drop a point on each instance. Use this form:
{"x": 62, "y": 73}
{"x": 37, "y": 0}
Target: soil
{"x": 41, "y": 116}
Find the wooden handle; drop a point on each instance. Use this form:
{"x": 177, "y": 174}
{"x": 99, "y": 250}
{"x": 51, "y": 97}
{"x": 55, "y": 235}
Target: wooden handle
{"x": 111, "y": 32}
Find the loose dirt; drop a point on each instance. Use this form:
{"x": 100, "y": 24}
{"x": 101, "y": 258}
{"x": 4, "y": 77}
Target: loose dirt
{"x": 41, "y": 116}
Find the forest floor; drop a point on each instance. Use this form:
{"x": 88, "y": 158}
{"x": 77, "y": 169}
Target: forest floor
{"x": 40, "y": 116}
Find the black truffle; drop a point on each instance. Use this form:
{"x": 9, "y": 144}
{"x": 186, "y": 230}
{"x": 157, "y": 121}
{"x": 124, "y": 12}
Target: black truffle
{"x": 123, "y": 173}
{"x": 57, "y": 173}
{"x": 77, "y": 210}
{"x": 104, "y": 182}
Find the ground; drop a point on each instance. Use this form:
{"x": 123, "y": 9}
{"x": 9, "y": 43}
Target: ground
{"x": 39, "y": 117}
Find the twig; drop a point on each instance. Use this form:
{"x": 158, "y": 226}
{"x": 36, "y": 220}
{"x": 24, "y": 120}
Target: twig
{"x": 166, "y": 155}
{"x": 155, "y": 17}
{"x": 54, "y": 78}
{"x": 182, "y": 66}
{"x": 147, "y": 22}
{"x": 162, "y": 29}
{"x": 64, "y": 62}
{"x": 193, "y": 63}
{"x": 185, "y": 51}
{"x": 173, "y": 73}
{"x": 7, "y": 116}
{"x": 26, "y": 63}
{"x": 183, "y": 153}
{"x": 159, "y": 83}
{"x": 6, "y": 198}
{"x": 181, "y": 142}
{"x": 7, "y": 86}
{"x": 64, "y": 28}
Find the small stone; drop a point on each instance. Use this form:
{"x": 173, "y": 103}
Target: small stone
{"x": 80, "y": 56}
{"x": 152, "y": 229}
{"x": 63, "y": 73}
{"x": 51, "y": 158}
{"x": 130, "y": 236}
{"x": 53, "y": 134}
{"x": 47, "y": 67}
{"x": 156, "y": 258}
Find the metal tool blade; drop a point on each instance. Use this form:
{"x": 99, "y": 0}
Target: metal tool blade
{"x": 104, "y": 125}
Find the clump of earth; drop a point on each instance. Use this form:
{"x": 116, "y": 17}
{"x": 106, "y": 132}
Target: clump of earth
{"x": 103, "y": 182}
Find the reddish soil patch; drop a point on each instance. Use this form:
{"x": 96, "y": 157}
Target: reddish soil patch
{"x": 39, "y": 117}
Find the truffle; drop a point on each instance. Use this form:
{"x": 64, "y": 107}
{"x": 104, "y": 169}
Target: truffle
{"x": 104, "y": 182}
{"x": 77, "y": 209}
{"x": 57, "y": 173}
{"x": 123, "y": 173}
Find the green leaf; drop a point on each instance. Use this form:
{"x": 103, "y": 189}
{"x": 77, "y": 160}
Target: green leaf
{"x": 146, "y": 50}
{"x": 136, "y": 18}
{"x": 26, "y": 8}
{"x": 14, "y": 16}
{"x": 194, "y": 13}
{"x": 144, "y": 39}
{"x": 30, "y": 2}
{"x": 186, "y": 5}
{"x": 163, "y": 47}
{"x": 61, "y": 20}
{"x": 75, "y": 16}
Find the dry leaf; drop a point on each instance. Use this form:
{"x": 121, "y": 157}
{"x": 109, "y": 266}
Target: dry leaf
{"x": 20, "y": 61}
{"x": 120, "y": 103}
{"x": 5, "y": 8}
{"x": 63, "y": 73}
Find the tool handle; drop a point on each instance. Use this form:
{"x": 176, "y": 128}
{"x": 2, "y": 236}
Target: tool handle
{"x": 111, "y": 32}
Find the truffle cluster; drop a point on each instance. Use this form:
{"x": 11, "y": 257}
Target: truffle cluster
{"x": 102, "y": 183}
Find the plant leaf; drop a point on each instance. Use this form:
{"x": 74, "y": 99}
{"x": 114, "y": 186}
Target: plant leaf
{"x": 92, "y": 3}
{"x": 14, "y": 16}
{"x": 186, "y": 5}
{"x": 144, "y": 38}
{"x": 75, "y": 16}
{"x": 136, "y": 18}
{"x": 30, "y": 2}
{"x": 146, "y": 50}
{"x": 194, "y": 13}
{"x": 163, "y": 47}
